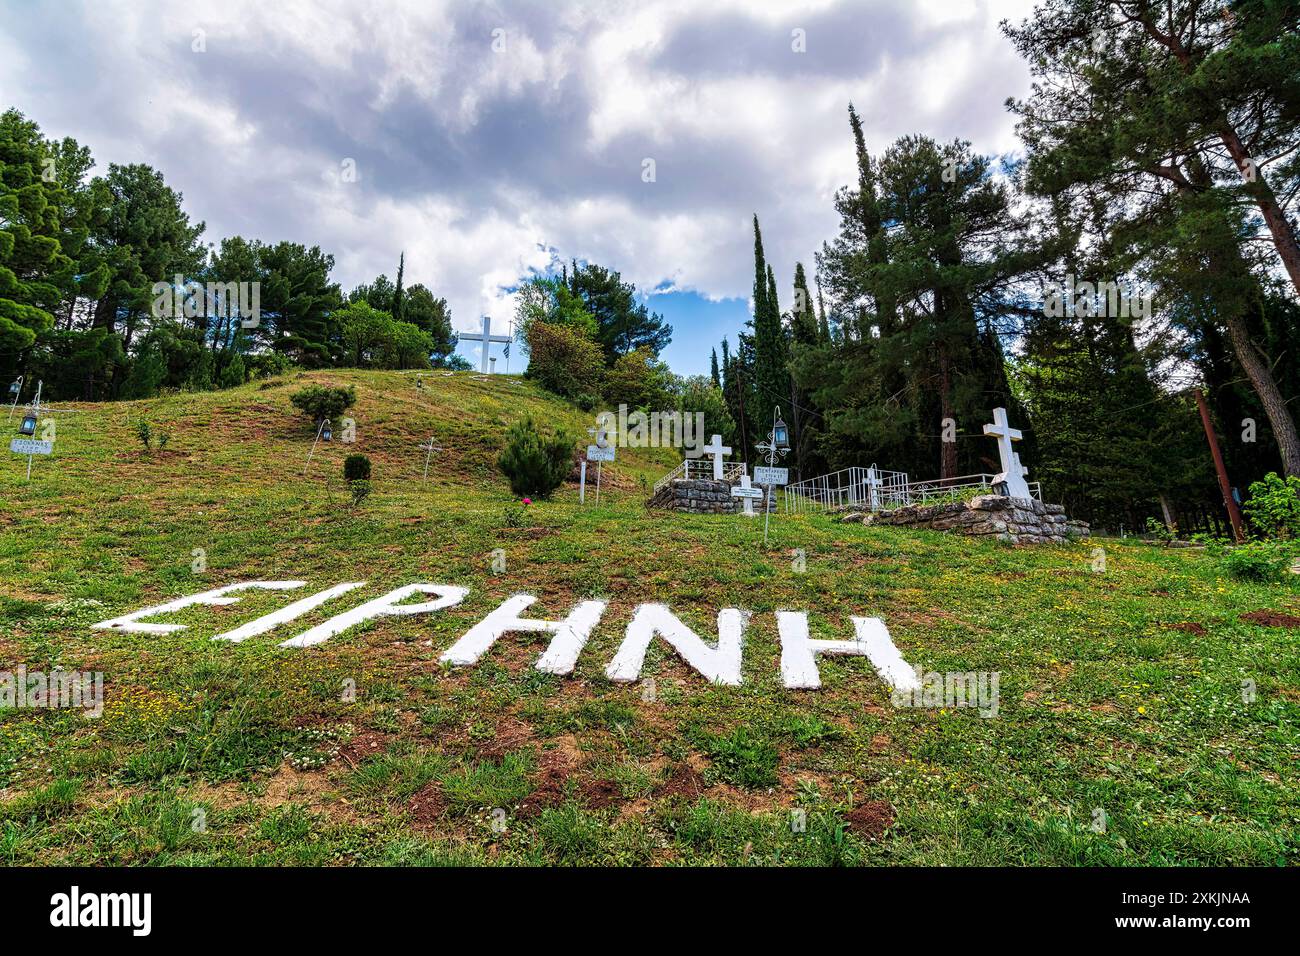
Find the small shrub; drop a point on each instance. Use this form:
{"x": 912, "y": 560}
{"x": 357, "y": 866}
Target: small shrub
{"x": 1157, "y": 530}
{"x": 324, "y": 401}
{"x": 356, "y": 472}
{"x": 1262, "y": 561}
{"x": 163, "y": 439}
{"x": 145, "y": 434}
{"x": 535, "y": 464}
{"x": 1274, "y": 506}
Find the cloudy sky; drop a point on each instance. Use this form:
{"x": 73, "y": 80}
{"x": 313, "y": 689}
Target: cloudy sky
{"x": 490, "y": 140}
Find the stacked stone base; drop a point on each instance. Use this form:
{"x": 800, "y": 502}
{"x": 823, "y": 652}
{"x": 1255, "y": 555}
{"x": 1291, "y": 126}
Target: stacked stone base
{"x": 697, "y": 496}
{"x": 1013, "y": 520}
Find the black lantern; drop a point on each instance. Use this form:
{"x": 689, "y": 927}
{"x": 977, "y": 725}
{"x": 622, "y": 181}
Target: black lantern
{"x": 28, "y": 426}
{"x": 326, "y": 434}
{"x": 781, "y": 435}
{"x": 15, "y": 388}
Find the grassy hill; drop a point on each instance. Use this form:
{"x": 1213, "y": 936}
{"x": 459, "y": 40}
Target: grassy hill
{"x": 1120, "y": 692}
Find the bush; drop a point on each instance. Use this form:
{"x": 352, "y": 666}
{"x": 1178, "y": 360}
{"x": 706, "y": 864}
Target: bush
{"x": 356, "y": 472}
{"x": 267, "y": 364}
{"x": 1264, "y": 561}
{"x": 565, "y": 360}
{"x": 1274, "y": 506}
{"x": 145, "y": 434}
{"x": 324, "y": 401}
{"x": 536, "y": 465}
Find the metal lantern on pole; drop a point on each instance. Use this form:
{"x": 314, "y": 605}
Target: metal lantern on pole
{"x": 28, "y": 425}
{"x": 15, "y": 390}
{"x": 780, "y": 433}
{"x": 775, "y": 448}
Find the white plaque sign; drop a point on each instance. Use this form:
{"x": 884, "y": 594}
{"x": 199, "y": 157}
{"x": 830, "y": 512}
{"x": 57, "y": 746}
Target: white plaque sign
{"x": 764, "y": 475}
{"x": 30, "y": 446}
{"x": 596, "y": 453}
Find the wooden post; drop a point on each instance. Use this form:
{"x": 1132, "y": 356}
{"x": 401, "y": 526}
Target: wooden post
{"x": 1234, "y": 515}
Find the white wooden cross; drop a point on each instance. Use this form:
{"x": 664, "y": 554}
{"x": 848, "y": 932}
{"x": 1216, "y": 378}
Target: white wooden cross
{"x": 718, "y": 451}
{"x": 1013, "y": 473}
{"x": 487, "y": 338}
{"x": 873, "y": 484}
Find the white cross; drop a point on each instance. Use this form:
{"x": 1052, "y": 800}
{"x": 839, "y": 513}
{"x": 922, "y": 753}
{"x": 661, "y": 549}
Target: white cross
{"x": 718, "y": 451}
{"x": 873, "y": 484}
{"x": 429, "y": 448}
{"x": 749, "y": 502}
{"x": 1013, "y": 473}
{"x": 487, "y": 338}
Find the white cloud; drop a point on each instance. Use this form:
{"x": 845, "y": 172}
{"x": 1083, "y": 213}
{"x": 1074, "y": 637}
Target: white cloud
{"x": 482, "y": 165}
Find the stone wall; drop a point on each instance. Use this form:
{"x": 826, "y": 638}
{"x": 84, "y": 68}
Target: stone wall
{"x": 1013, "y": 520}
{"x": 697, "y": 496}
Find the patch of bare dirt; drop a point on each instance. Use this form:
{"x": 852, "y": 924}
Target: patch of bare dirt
{"x": 1270, "y": 619}
{"x": 554, "y": 770}
{"x": 1187, "y": 627}
{"x": 511, "y": 734}
{"x": 599, "y": 794}
{"x": 428, "y": 805}
{"x": 364, "y": 743}
{"x": 685, "y": 782}
{"x": 871, "y": 818}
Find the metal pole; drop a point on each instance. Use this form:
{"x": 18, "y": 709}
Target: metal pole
{"x": 582, "y": 484}
{"x": 36, "y": 410}
{"x": 323, "y": 423}
{"x": 1234, "y": 515}
{"x": 598, "y": 465}
{"x": 771, "y": 461}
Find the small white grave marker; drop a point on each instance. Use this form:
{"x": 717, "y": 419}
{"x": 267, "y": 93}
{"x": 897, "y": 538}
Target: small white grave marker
{"x": 747, "y": 492}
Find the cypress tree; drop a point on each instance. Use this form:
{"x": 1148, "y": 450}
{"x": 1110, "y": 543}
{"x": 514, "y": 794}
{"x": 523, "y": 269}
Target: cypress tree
{"x": 397, "y": 292}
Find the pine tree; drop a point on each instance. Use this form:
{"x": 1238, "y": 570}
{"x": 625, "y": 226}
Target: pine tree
{"x": 713, "y": 369}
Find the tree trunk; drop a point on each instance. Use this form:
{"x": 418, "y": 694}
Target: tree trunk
{"x": 1261, "y": 379}
{"x": 947, "y": 449}
{"x": 1284, "y": 238}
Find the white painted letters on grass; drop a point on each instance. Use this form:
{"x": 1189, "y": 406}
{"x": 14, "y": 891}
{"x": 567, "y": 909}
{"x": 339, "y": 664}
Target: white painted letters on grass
{"x": 560, "y": 656}
{"x": 387, "y": 606}
{"x": 134, "y": 623}
{"x": 871, "y": 640}
{"x": 720, "y": 663}
{"x": 268, "y": 622}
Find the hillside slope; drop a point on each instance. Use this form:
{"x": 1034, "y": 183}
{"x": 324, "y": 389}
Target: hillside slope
{"x": 1121, "y": 691}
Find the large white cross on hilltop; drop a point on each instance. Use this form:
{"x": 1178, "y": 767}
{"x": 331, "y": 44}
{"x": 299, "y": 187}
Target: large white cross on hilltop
{"x": 1013, "y": 473}
{"x": 487, "y": 338}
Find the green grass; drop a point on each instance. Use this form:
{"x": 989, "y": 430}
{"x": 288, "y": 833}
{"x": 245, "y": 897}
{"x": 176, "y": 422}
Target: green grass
{"x": 1105, "y": 704}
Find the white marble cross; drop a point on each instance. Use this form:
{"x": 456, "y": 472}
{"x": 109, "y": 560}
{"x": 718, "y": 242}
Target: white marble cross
{"x": 487, "y": 338}
{"x": 1013, "y": 473}
{"x": 873, "y": 484}
{"x": 718, "y": 451}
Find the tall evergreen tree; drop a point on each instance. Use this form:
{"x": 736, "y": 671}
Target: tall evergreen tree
{"x": 397, "y": 292}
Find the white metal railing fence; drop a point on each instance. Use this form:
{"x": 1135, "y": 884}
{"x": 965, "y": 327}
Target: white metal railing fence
{"x": 854, "y": 487}
{"x": 701, "y": 468}
{"x": 873, "y": 489}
